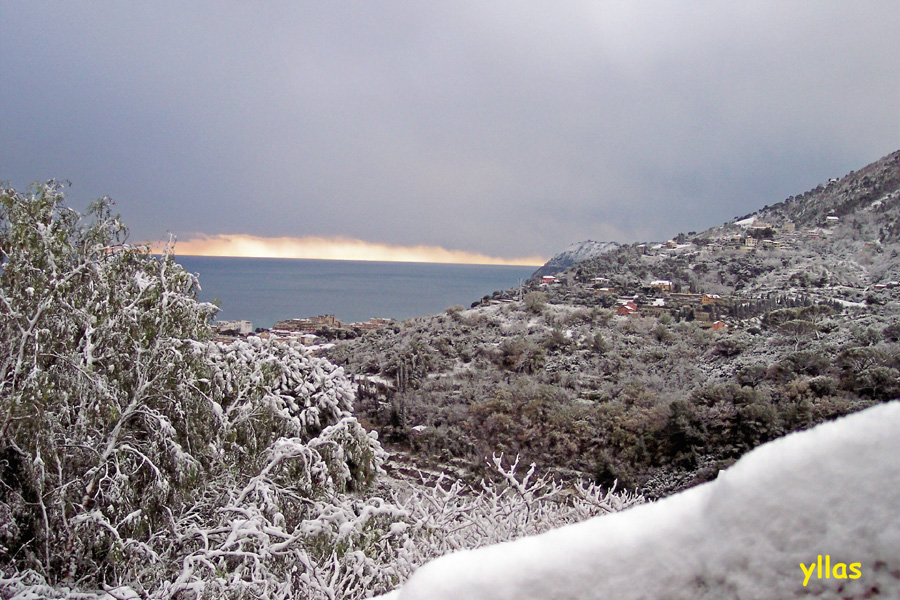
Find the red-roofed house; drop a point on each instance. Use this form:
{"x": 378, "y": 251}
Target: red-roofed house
{"x": 629, "y": 308}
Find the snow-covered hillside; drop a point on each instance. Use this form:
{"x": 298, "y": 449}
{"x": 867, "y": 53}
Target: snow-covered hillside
{"x": 574, "y": 254}
{"x": 756, "y": 532}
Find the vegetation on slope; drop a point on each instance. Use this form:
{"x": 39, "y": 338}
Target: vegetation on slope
{"x": 658, "y": 400}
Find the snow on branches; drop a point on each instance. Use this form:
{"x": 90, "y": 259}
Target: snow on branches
{"x": 120, "y": 422}
{"x": 139, "y": 457}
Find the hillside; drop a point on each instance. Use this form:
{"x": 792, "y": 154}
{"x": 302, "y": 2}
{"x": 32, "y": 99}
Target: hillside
{"x": 838, "y": 242}
{"x": 865, "y": 202}
{"x": 658, "y": 364}
{"x": 574, "y": 254}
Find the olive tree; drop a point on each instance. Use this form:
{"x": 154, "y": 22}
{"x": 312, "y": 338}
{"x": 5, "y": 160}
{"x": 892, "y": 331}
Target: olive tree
{"x": 121, "y": 424}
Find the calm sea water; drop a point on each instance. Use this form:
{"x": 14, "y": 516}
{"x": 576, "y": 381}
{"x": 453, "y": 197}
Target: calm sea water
{"x": 265, "y": 290}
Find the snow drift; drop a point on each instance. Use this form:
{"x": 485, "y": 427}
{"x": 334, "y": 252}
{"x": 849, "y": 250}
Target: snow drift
{"x": 832, "y": 491}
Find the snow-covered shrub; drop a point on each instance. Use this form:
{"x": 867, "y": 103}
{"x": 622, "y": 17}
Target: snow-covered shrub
{"x": 347, "y": 546}
{"x": 446, "y": 515}
{"x": 263, "y": 390}
{"x": 124, "y": 432}
{"x": 96, "y": 382}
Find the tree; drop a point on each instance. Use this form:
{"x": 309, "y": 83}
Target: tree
{"x": 122, "y": 427}
{"x": 93, "y": 369}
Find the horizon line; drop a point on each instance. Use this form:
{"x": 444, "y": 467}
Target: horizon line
{"x": 333, "y": 248}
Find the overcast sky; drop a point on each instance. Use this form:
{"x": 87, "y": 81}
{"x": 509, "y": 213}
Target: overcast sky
{"x": 504, "y": 128}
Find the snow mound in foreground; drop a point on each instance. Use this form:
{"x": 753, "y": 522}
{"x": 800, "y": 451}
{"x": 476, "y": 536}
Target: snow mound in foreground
{"x": 832, "y": 491}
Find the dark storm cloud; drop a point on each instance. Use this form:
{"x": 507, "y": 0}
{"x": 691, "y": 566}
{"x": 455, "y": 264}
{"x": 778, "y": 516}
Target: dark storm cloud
{"x": 508, "y": 128}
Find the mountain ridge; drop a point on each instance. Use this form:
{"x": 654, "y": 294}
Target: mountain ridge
{"x": 574, "y": 254}
{"x": 873, "y": 188}
{"x": 870, "y": 197}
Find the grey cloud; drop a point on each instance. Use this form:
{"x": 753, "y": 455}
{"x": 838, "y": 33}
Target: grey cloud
{"x": 509, "y": 128}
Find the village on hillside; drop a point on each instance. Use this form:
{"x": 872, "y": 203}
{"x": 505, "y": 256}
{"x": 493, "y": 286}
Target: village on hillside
{"x": 656, "y": 297}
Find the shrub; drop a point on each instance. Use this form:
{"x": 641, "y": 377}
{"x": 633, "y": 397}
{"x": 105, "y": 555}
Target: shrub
{"x": 891, "y": 333}
{"x": 535, "y": 302}
{"x": 126, "y": 433}
{"x": 520, "y": 356}
{"x": 556, "y": 340}
{"x": 684, "y": 434}
{"x": 661, "y": 333}
{"x": 751, "y": 375}
{"x": 454, "y": 312}
{"x": 599, "y": 344}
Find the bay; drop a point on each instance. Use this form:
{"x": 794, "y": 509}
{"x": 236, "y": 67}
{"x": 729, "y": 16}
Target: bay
{"x": 265, "y": 290}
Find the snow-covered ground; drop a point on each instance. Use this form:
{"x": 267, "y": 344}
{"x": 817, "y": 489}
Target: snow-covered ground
{"x": 849, "y": 304}
{"x": 374, "y": 379}
{"x": 759, "y": 531}
{"x": 581, "y": 251}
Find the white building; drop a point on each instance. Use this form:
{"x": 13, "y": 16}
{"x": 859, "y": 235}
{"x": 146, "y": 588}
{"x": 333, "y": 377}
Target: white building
{"x": 242, "y": 327}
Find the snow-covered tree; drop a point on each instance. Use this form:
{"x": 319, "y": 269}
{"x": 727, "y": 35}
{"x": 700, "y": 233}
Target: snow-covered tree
{"x": 120, "y": 422}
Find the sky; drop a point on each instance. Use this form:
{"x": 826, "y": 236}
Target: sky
{"x": 492, "y": 131}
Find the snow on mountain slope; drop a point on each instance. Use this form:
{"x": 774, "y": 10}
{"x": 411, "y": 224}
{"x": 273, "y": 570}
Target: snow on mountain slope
{"x": 831, "y": 492}
{"x": 574, "y": 254}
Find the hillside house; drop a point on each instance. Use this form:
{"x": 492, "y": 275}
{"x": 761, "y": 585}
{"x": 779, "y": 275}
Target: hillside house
{"x": 684, "y": 299}
{"x": 309, "y": 339}
{"x": 309, "y": 325}
{"x": 627, "y": 309}
{"x": 240, "y": 326}
{"x": 663, "y": 285}
{"x": 372, "y": 324}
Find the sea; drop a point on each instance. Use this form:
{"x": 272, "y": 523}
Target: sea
{"x": 266, "y": 290}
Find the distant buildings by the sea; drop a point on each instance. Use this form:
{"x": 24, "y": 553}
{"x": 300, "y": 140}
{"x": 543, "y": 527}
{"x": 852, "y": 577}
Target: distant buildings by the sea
{"x": 241, "y": 328}
{"x": 310, "y": 331}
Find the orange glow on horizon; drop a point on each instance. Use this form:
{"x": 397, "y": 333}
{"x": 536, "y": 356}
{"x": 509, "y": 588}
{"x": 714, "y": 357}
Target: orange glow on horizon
{"x": 337, "y": 248}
